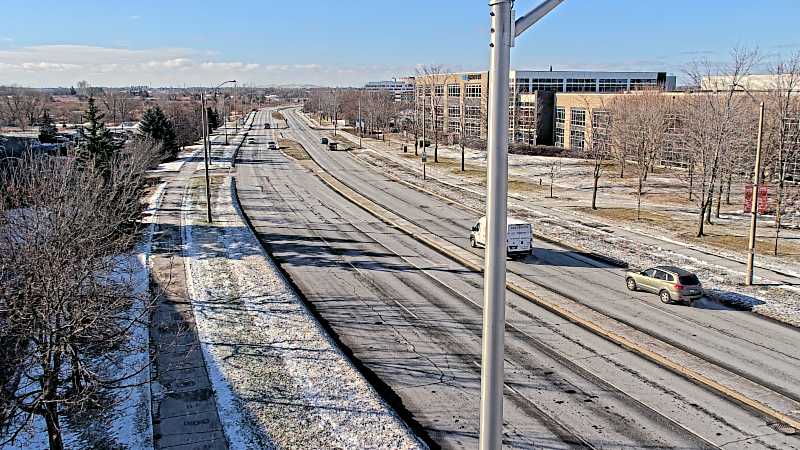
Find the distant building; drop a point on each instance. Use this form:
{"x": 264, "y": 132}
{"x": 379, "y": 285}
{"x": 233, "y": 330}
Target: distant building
{"x": 531, "y": 98}
{"x": 747, "y": 82}
{"x": 402, "y": 88}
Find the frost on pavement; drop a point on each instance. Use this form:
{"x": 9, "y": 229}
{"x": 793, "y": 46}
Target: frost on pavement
{"x": 279, "y": 380}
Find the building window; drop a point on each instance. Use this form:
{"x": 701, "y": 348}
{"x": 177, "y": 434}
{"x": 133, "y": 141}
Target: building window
{"x": 453, "y": 90}
{"x": 613, "y": 84}
{"x": 439, "y": 90}
{"x": 454, "y": 111}
{"x": 559, "y": 129}
{"x": 637, "y": 83}
{"x": 581, "y": 85}
{"x": 547, "y": 84}
{"x": 472, "y": 129}
{"x": 577, "y": 128}
{"x": 472, "y": 112}
{"x": 473, "y": 90}
{"x": 454, "y": 125}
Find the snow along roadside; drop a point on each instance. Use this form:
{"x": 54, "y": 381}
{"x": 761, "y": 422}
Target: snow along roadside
{"x": 279, "y": 379}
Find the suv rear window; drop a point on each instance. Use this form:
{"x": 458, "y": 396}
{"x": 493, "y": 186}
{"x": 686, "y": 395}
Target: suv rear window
{"x": 689, "y": 280}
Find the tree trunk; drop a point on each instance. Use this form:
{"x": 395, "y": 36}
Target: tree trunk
{"x": 594, "y": 192}
{"x": 728, "y": 190}
{"x": 462, "y": 156}
{"x": 710, "y": 202}
{"x": 778, "y": 216}
{"x": 719, "y": 201}
{"x": 622, "y": 169}
{"x": 700, "y": 223}
{"x": 53, "y": 427}
{"x": 551, "y": 188}
{"x": 691, "y": 181}
{"x": 639, "y": 199}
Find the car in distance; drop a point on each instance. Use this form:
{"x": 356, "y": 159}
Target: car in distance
{"x": 672, "y": 284}
{"x": 519, "y": 236}
{"x": 323, "y": 140}
{"x": 272, "y": 145}
{"x": 251, "y": 140}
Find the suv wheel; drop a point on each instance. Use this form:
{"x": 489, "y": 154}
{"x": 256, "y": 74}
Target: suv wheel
{"x": 665, "y": 298}
{"x": 631, "y": 284}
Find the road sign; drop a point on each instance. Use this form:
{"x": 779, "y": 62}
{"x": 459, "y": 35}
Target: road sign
{"x": 763, "y": 198}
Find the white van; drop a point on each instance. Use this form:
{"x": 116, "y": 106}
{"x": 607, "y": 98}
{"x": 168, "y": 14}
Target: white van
{"x": 519, "y": 236}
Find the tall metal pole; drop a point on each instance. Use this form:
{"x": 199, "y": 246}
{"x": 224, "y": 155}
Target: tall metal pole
{"x": 494, "y": 294}
{"x": 360, "y": 125}
{"x": 206, "y": 155}
{"x": 503, "y": 31}
{"x": 751, "y": 247}
{"x": 224, "y": 118}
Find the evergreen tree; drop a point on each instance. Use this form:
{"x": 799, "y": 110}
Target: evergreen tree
{"x": 213, "y": 119}
{"x": 156, "y": 126}
{"x": 97, "y": 146}
{"x": 72, "y": 91}
{"x": 47, "y": 129}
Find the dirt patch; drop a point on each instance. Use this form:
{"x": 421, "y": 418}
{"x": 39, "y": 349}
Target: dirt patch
{"x": 293, "y": 149}
{"x": 764, "y": 245}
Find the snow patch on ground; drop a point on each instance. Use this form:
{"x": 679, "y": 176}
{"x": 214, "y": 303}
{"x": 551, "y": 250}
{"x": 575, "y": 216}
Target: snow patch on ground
{"x": 279, "y": 379}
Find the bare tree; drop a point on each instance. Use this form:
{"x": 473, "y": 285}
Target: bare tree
{"x": 554, "y": 169}
{"x": 598, "y": 145}
{"x": 717, "y": 123}
{"x": 783, "y": 129}
{"x": 638, "y": 127}
{"x": 65, "y": 299}
{"x": 434, "y": 78}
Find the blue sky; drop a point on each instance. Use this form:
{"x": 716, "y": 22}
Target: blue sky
{"x": 175, "y": 42}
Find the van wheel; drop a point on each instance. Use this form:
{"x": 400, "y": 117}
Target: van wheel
{"x": 631, "y": 284}
{"x": 472, "y": 242}
{"x": 665, "y": 298}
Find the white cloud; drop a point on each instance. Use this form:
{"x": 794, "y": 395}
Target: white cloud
{"x": 66, "y": 64}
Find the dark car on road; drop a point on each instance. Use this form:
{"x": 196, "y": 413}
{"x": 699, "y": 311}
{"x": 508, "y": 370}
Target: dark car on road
{"x": 323, "y": 141}
{"x": 672, "y": 284}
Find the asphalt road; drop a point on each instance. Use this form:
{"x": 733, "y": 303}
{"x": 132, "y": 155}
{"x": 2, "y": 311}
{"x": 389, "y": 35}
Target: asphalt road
{"x": 411, "y": 319}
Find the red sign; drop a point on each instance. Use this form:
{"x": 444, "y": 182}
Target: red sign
{"x": 763, "y": 198}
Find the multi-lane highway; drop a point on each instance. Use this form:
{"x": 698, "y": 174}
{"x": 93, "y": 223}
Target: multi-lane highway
{"x": 411, "y": 318}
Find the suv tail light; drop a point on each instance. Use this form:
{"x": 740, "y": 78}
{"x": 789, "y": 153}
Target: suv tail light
{"x": 679, "y": 286}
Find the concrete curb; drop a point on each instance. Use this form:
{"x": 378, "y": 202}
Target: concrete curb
{"x": 659, "y": 358}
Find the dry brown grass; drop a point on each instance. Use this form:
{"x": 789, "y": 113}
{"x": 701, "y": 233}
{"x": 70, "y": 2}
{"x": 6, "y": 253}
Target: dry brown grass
{"x": 628, "y": 214}
{"x": 293, "y": 149}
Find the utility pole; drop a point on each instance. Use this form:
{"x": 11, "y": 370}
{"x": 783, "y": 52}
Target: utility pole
{"x": 360, "y": 128}
{"x": 206, "y": 156}
{"x": 503, "y": 31}
{"x": 236, "y": 97}
{"x": 335, "y": 110}
{"x": 751, "y": 246}
{"x": 224, "y": 118}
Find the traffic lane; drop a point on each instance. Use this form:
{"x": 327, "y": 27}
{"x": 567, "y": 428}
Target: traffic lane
{"x": 456, "y": 333}
{"x": 731, "y": 338}
{"x": 676, "y": 394}
{"x": 359, "y": 290}
{"x": 640, "y": 385}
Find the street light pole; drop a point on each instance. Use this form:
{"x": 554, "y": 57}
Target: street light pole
{"x": 360, "y": 125}
{"x": 502, "y": 34}
{"x": 751, "y": 247}
{"x": 206, "y": 155}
